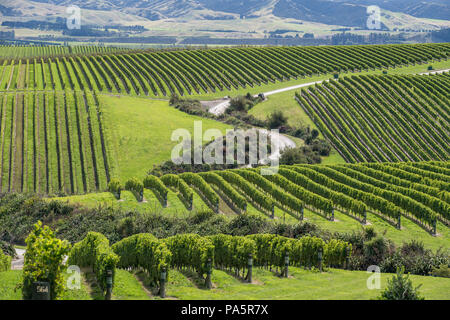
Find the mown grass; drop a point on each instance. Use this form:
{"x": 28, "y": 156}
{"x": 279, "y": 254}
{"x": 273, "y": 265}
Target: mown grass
{"x": 301, "y": 285}
{"x": 128, "y": 202}
{"x": 141, "y": 131}
{"x": 333, "y": 284}
{"x": 10, "y": 287}
{"x": 279, "y": 85}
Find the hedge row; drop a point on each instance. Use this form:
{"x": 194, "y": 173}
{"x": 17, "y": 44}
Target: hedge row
{"x": 94, "y": 252}
{"x": 146, "y": 252}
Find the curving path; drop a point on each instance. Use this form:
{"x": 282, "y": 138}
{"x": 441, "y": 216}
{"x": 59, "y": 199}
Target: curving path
{"x": 222, "y": 106}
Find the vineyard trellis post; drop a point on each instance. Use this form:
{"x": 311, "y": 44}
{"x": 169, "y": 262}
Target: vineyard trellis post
{"x": 250, "y": 268}
{"x": 208, "y": 282}
{"x": 320, "y": 257}
{"x": 347, "y": 258}
{"x": 165, "y": 200}
{"x": 162, "y": 284}
{"x": 286, "y": 264}
{"x": 109, "y": 282}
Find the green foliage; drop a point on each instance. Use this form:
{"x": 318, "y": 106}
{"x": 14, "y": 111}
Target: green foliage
{"x": 94, "y": 252}
{"x": 5, "y": 261}
{"x": 400, "y": 287}
{"x": 442, "y": 271}
{"x": 154, "y": 183}
{"x": 335, "y": 252}
{"x": 200, "y": 184}
{"x": 305, "y": 251}
{"x": 115, "y": 186}
{"x": 146, "y": 252}
{"x": 136, "y": 186}
{"x": 271, "y": 249}
{"x": 232, "y": 251}
{"x": 276, "y": 120}
{"x": 215, "y": 179}
{"x": 190, "y": 251}
{"x": 375, "y": 250}
{"x": 44, "y": 261}
{"x": 179, "y": 184}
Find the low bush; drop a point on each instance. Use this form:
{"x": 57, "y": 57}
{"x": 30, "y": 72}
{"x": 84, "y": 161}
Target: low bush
{"x": 115, "y": 187}
{"x": 146, "y": 252}
{"x": 5, "y": 261}
{"x": 94, "y": 252}
{"x": 400, "y": 287}
{"x": 136, "y": 186}
{"x": 44, "y": 261}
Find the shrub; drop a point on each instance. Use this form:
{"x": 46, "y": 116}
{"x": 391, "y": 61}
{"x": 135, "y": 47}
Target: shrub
{"x": 415, "y": 259}
{"x": 232, "y": 251}
{"x": 400, "y": 287}
{"x": 5, "y": 261}
{"x": 276, "y": 119}
{"x": 292, "y": 156}
{"x": 154, "y": 183}
{"x": 115, "y": 187}
{"x": 136, "y": 186}
{"x": 144, "y": 251}
{"x": 442, "y": 271}
{"x": 191, "y": 251}
{"x": 94, "y": 252}
{"x": 375, "y": 250}
{"x": 44, "y": 261}
{"x": 8, "y": 249}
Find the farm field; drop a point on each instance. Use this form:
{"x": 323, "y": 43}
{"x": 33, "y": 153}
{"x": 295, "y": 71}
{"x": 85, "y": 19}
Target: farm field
{"x": 352, "y": 111}
{"x": 285, "y": 101}
{"x": 139, "y": 132}
{"x": 30, "y": 51}
{"x": 84, "y": 131}
{"x": 51, "y": 142}
{"x": 194, "y": 72}
{"x": 302, "y": 285}
{"x": 335, "y": 197}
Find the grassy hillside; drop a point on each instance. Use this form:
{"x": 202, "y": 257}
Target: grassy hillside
{"x": 140, "y": 132}
{"x": 380, "y": 118}
{"x": 194, "y": 72}
{"x": 51, "y": 142}
{"x": 333, "y": 284}
{"x": 336, "y": 198}
{"x": 285, "y": 101}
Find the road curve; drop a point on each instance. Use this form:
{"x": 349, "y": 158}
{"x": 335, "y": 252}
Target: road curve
{"x": 221, "y": 107}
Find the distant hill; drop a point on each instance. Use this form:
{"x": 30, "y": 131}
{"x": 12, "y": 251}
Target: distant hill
{"x": 180, "y": 18}
{"x": 339, "y": 12}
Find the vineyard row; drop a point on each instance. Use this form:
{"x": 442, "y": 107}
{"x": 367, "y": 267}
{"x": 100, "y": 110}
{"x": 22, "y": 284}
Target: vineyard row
{"x": 204, "y": 71}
